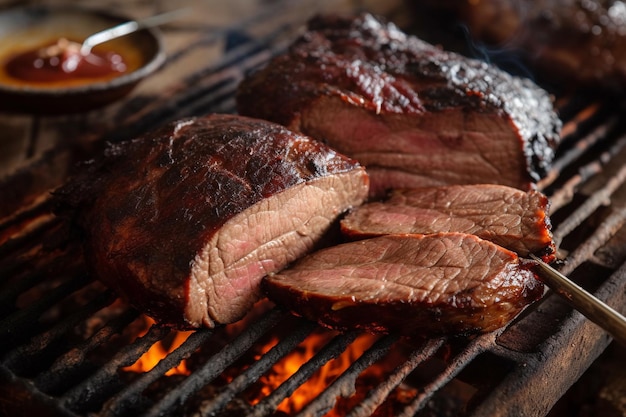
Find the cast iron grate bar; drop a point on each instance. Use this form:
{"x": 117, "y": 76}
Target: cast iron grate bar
{"x": 597, "y": 199}
{"x": 26, "y": 221}
{"x": 574, "y": 110}
{"x": 41, "y": 209}
{"x": 62, "y": 264}
{"x": 26, "y": 356}
{"x": 577, "y": 141}
{"x": 379, "y": 394}
{"x": 566, "y": 192}
{"x": 601, "y": 236}
{"x": 36, "y": 252}
{"x": 126, "y": 401}
{"x": 35, "y": 398}
{"x": 345, "y": 383}
{"x": 19, "y": 325}
{"x": 578, "y": 115}
{"x": 93, "y": 391}
{"x": 256, "y": 370}
{"x": 32, "y": 237}
{"x": 596, "y": 136}
{"x": 456, "y": 364}
{"x": 218, "y": 363}
{"x": 72, "y": 366}
{"x": 331, "y": 350}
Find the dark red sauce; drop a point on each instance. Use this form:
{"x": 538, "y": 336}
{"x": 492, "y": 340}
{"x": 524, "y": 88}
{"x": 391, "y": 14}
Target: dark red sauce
{"x": 62, "y": 61}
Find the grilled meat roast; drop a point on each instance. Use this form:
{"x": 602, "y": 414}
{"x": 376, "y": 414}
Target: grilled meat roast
{"x": 579, "y": 42}
{"x": 509, "y": 217}
{"x": 449, "y": 283}
{"x": 412, "y": 113}
{"x": 185, "y": 221}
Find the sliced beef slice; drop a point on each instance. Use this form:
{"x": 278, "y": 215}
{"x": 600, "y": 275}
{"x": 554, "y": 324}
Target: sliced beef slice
{"x": 507, "y": 216}
{"x": 412, "y": 113}
{"x": 423, "y": 285}
{"x": 184, "y": 222}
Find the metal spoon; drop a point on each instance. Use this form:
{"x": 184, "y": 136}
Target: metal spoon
{"x": 128, "y": 27}
{"x": 67, "y": 54}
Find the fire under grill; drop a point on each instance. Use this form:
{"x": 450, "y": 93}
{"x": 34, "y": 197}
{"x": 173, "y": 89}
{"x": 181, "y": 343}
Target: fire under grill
{"x": 70, "y": 347}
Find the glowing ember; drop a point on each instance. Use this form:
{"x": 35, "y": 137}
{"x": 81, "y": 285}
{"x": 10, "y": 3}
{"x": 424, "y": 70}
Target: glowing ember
{"x": 320, "y": 380}
{"x": 159, "y": 351}
{"x": 283, "y": 369}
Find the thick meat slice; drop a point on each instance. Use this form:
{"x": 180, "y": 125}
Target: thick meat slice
{"x": 509, "y": 217}
{"x": 413, "y": 114}
{"x": 566, "y": 41}
{"x": 186, "y": 221}
{"x": 410, "y": 284}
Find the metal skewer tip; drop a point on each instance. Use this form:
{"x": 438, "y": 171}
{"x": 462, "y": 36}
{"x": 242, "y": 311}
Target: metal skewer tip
{"x": 588, "y": 305}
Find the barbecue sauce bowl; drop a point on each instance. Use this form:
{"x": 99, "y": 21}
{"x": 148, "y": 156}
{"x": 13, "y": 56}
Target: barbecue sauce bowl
{"x": 62, "y": 81}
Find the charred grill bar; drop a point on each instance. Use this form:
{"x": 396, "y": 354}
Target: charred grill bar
{"x": 66, "y": 340}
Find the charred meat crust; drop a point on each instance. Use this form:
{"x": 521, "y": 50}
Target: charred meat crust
{"x": 374, "y": 66}
{"x": 149, "y": 206}
{"x": 413, "y": 285}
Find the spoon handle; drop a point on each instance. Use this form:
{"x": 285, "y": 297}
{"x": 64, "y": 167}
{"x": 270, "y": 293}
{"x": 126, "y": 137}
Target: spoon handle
{"x": 128, "y": 27}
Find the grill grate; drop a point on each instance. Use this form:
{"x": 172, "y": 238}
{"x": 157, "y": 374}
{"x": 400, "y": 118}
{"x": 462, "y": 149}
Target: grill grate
{"x": 66, "y": 339}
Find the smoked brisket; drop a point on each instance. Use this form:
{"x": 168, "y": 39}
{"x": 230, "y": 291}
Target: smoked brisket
{"x": 184, "y": 222}
{"x": 411, "y": 113}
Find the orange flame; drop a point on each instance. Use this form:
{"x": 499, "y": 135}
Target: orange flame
{"x": 280, "y": 372}
{"x": 158, "y": 351}
{"x": 320, "y": 380}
